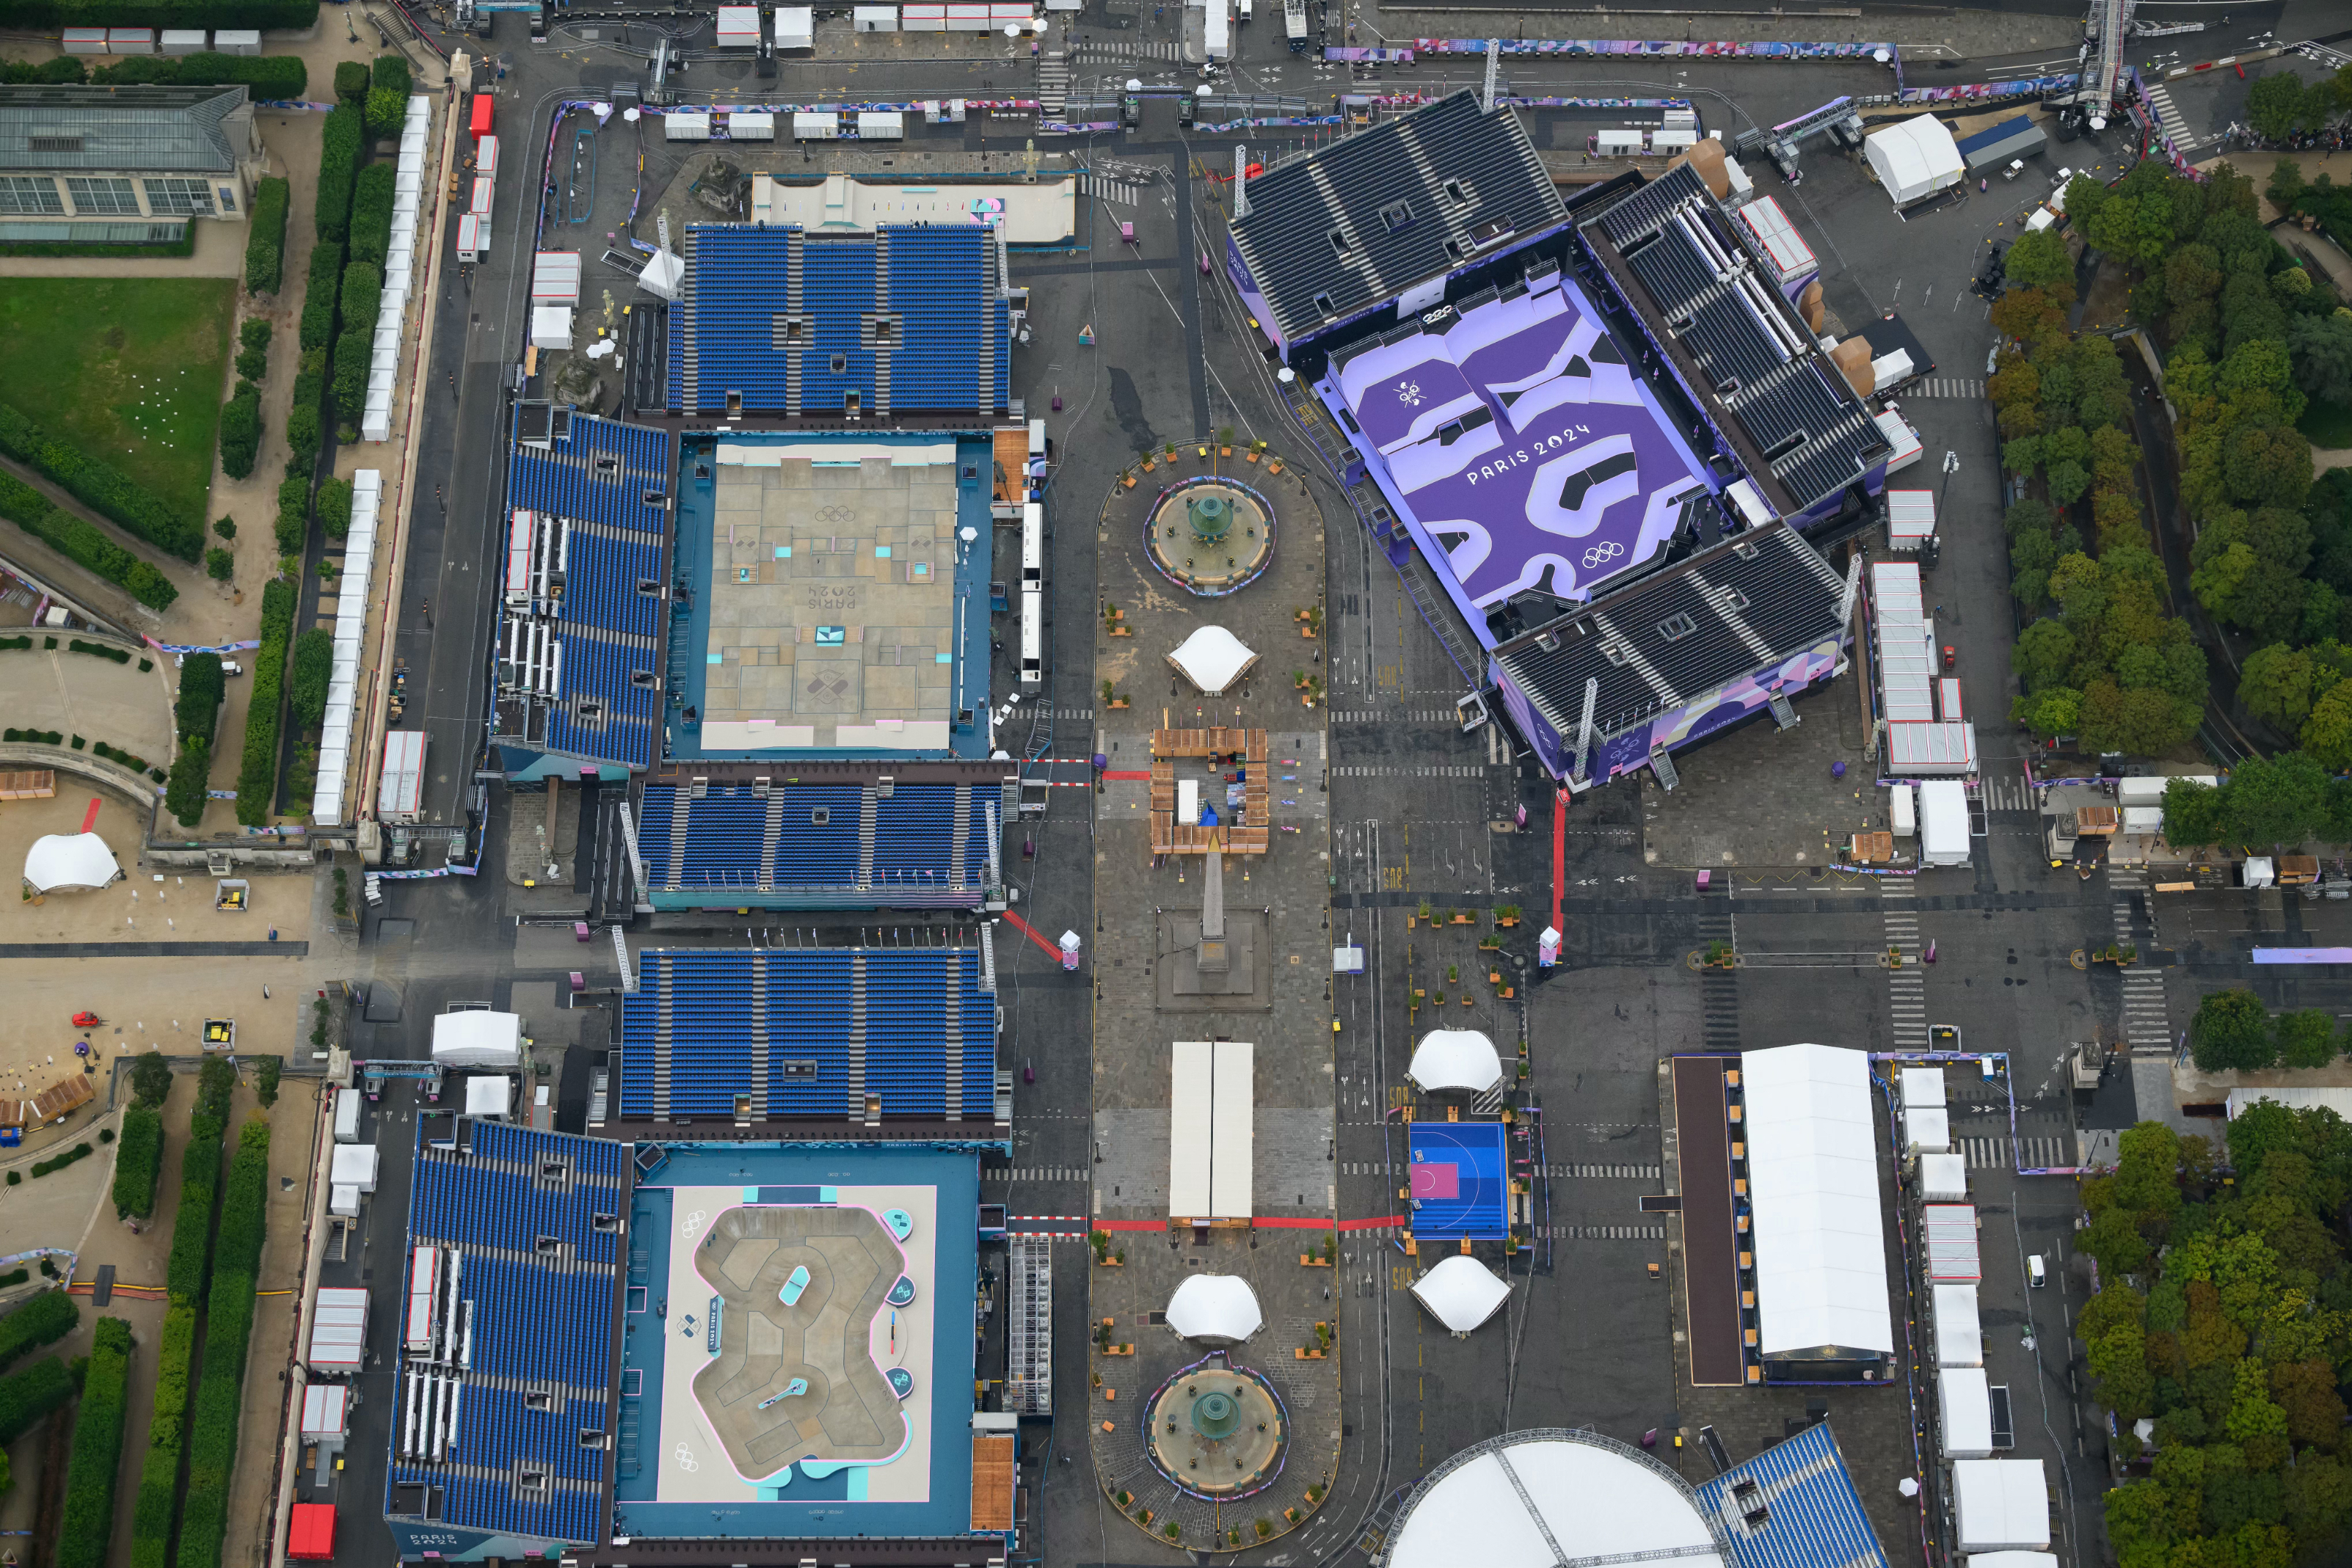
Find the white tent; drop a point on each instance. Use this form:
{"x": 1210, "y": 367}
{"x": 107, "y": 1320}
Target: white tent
{"x": 2014, "y": 1560}
{"x": 1927, "y": 1132}
{"x": 2003, "y": 1505}
{"x": 1943, "y": 1178}
{"x": 1923, "y": 1089}
{"x": 1812, "y": 1176}
{"x": 1959, "y": 1334}
{"x": 1531, "y": 1500}
{"x": 489, "y": 1096}
{"x": 1966, "y": 1402}
{"x": 1913, "y": 159}
{"x": 478, "y": 1040}
{"x": 1461, "y": 1292}
{"x": 69, "y": 863}
{"x": 1215, "y": 1309}
{"x": 1213, "y": 659}
{"x": 355, "y": 1166}
{"x": 1459, "y": 1059}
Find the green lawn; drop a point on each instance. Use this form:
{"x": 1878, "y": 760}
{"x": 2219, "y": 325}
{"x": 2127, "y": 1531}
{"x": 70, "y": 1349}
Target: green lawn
{"x": 2327, "y": 424}
{"x": 128, "y": 370}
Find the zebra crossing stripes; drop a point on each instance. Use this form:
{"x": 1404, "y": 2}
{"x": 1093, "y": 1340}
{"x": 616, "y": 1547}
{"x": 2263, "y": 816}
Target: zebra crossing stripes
{"x": 2168, "y": 117}
{"x": 1032, "y": 1173}
{"x": 1602, "y": 1232}
{"x": 1907, "y": 988}
{"x": 1361, "y": 770}
{"x": 1410, "y": 716}
{"x": 1053, "y": 83}
{"x": 1117, "y": 193}
{"x": 2032, "y": 1154}
{"x": 1141, "y": 49}
{"x": 2006, "y": 795}
{"x": 1944, "y": 386}
{"x": 2148, "y": 1021}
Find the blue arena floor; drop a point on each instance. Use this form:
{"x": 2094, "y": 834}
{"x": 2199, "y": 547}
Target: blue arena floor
{"x": 1458, "y": 1182}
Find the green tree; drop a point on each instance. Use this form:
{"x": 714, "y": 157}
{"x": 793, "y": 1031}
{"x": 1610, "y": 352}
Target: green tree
{"x": 2192, "y": 814}
{"x": 2043, "y": 654}
{"x": 150, "y": 1078}
{"x": 2287, "y": 185}
{"x": 2327, "y": 733}
{"x": 2305, "y": 1039}
{"x": 2275, "y": 686}
{"x": 314, "y": 663}
{"x": 2231, "y": 1030}
{"x": 2038, "y": 260}
{"x": 2320, "y": 348}
{"x": 2050, "y": 714}
{"x": 2275, "y": 802}
{"x": 2274, "y": 105}
{"x": 2067, "y": 482}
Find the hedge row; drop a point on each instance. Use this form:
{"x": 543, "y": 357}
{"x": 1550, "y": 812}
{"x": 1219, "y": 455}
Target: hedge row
{"x": 45, "y": 1320}
{"x": 362, "y": 294}
{"x": 131, "y": 759}
{"x": 34, "y": 737}
{"x": 351, "y": 81}
{"x": 49, "y": 16}
{"x": 387, "y": 98}
{"x": 314, "y": 668}
{"x": 25, "y": 1396}
{"x": 88, "y": 1524}
{"x": 269, "y": 78}
{"x": 339, "y": 166}
{"x": 186, "y": 245}
{"x": 103, "y": 650}
{"x": 240, "y": 431}
{"x": 80, "y": 1151}
{"x": 371, "y": 216}
{"x": 228, "y": 1326}
{"x": 159, "y": 1476}
{"x": 196, "y": 708}
{"x": 101, "y": 487}
{"x": 83, "y": 542}
{"x": 293, "y": 526}
{"x": 191, "y": 1226}
{"x": 317, "y": 328}
{"x": 334, "y": 508}
{"x": 256, "y": 779}
{"x": 64, "y": 71}
{"x": 303, "y": 428}
{"x": 264, "y": 244}
{"x": 137, "y": 1162}
{"x": 354, "y": 352}
{"x": 190, "y": 786}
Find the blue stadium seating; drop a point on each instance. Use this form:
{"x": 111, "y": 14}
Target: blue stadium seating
{"x": 739, "y": 281}
{"x": 603, "y": 671}
{"x": 914, "y": 848}
{"x": 530, "y": 1322}
{"x": 809, "y": 1004}
{"x": 567, "y": 481}
{"x": 600, "y": 583}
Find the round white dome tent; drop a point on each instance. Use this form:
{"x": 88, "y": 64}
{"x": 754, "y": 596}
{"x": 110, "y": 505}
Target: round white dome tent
{"x": 69, "y": 863}
{"x": 1215, "y": 1309}
{"x": 1461, "y": 1292}
{"x": 1531, "y": 1499}
{"x": 1213, "y": 659}
{"x": 1460, "y": 1059}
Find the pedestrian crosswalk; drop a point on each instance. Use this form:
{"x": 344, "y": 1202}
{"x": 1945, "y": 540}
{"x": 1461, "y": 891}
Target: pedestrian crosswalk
{"x": 2006, "y": 795}
{"x": 1602, "y": 1232}
{"x": 1450, "y": 770}
{"x": 1117, "y": 193}
{"x": 2148, "y": 1021}
{"x": 1139, "y": 49}
{"x": 2004, "y": 1152}
{"x": 1031, "y": 1173}
{"x": 2169, "y": 117}
{"x": 1053, "y": 83}
{"x": 1906, "y": 986}
{"x": 1944, "y": 386}
{"x": 1410, "y": 716}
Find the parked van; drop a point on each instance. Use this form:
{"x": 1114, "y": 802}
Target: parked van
{"x": 2036, "y": 1275}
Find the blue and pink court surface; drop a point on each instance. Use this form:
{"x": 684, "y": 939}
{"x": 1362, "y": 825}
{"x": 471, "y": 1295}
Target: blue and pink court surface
{"x": 1459, "y": 1186}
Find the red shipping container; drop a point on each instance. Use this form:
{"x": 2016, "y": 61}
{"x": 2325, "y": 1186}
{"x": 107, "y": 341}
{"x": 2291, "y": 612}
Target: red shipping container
{"x": 482, "y": 104}
{"x": 311, "y": 1537}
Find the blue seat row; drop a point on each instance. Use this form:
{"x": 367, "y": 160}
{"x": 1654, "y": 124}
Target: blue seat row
{"x": 624, "y": 732}
{"x": 600, "y": 583}
{"x": 597, "y": 1161}
{"x": 567, "y": 482}
{"x": 532, "y": 1324}
{"x": 806, "y": 1015}
{"x": 474, "y": 1504}
{"x": 468, "y": 1203}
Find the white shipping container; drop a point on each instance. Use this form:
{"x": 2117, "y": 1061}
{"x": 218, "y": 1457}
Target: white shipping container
{"x": 1943, "y": 822}
{"x": 1617, "y": 143}
{"x": 795, "y": 27}
{"x": 551, "y": 326}
{"x": 1669, "y": 138}
{"x": 874, "y": 18}
{"x": 486, "y": 190}
{"x": 234, "y": 42}
{"x": 130, "y": 40}
{"x": 2002, "y": 1505}
{"x": 347, "y": 1116}
{"x": 555, "y": 279}
{"x": 486, "y": 156}
{"x": 880, "y": 125}
{"x": 747, "y": 126}
{"x": 680, "y": 127}
{"x": 809, "y": 126}
{"x": 738, "y": 26}
{"x": 403, "y": 791}
{"x": 84, "y": 41}
{"x": 967, "y": 18}
{"x": 1964, "y": 1405}
{"x": 182, "y": 41}
{"x": 1899, "y": 811}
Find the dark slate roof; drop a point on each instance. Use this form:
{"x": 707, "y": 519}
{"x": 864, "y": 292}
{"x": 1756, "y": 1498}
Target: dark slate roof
{"x": 129, "y": 130}
{"x": 1694, "y": 276}
{"x": 1413, "y": 199}
{"x": 1752, "y": 601}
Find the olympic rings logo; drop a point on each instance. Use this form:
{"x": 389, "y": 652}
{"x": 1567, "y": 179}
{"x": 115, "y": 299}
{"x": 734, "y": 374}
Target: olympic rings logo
{"x": 1600, "y": 552}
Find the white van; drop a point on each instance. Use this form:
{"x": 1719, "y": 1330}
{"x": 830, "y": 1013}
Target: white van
{"x": 2035, "y": 1275}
